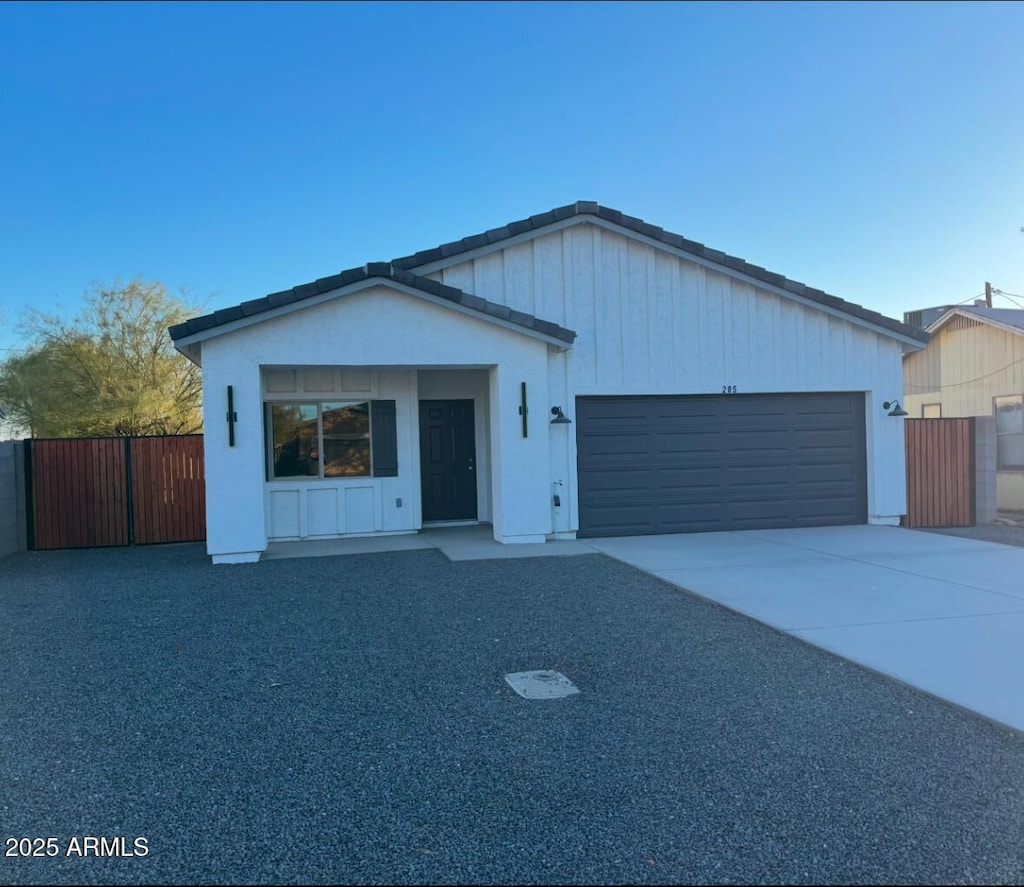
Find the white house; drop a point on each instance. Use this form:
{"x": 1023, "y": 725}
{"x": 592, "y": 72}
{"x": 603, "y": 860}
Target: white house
{"x": 577, "y": 372}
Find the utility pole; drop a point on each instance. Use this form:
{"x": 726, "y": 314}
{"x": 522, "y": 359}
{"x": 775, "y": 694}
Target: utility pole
{"x": 988, "y": 294}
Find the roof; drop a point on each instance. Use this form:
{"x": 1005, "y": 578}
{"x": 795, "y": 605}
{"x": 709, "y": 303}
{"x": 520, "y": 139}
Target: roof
{"x": 1007, "y": 318}
{"x": 397, "y": 268}
{"x": 371, "y": 271}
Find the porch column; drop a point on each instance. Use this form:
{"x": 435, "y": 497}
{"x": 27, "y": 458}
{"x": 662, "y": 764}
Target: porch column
{"x": 520, "y": 471}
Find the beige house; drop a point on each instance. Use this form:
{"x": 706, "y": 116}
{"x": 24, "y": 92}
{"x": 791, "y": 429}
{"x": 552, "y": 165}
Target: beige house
{"x": 974, "y": 366}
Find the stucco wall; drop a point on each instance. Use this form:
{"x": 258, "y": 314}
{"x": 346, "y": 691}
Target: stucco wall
{"x": 394, "y": 334}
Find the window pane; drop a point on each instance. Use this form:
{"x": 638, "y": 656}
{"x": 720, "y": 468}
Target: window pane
{"x": 294, "y": 434}
{"x": 346, "y": 439}
{"x": 1009, "y": 415}
{"x": 1010, "y": 450}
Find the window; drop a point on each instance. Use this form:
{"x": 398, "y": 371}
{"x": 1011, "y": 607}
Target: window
{"x": 1009, "y": 412}
{"x": 326, "y": 439}
{"x": 931, "y": 411}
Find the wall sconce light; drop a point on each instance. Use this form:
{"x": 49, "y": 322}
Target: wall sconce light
{"x": 232, "y": 415}
{"x": 896, "y": 410}
{"x": 560, "y": 417}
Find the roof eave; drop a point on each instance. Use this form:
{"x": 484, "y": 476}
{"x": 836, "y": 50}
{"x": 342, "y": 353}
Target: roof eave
{"x": 190, "y": 343}
{"x": 723, "y": 267}
{"x": 947, "y": 316}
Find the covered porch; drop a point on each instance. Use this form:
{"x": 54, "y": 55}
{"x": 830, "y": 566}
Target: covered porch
{"x": 355, "y": 451}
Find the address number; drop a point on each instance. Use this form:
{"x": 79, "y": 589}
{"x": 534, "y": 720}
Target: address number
{"x": 728, "y": 389}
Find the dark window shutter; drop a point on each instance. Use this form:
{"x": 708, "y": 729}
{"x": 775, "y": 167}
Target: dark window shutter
{"x": 384, "y": 438}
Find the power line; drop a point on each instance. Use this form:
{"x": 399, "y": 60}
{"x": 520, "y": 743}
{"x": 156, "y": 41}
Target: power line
{"x": 927, "y": 388}
{"x": 1010, "y": 296}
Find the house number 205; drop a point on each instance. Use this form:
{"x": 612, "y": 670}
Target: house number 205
{"x": 728, "y": 389}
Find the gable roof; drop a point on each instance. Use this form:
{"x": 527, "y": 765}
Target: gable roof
{"x": 369, "y": 272}
{"x": 1010, "y": 319}
{"x": 728, "y": 263}
{"x": 451, "y": 253}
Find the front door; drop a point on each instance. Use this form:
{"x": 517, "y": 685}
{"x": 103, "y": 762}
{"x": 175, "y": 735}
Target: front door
{"x": 448, "y": 460}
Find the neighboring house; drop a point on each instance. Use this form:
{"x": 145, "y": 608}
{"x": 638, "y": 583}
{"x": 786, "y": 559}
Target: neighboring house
{"x": 577, "y": 372}
{"x": 974, "y": 366}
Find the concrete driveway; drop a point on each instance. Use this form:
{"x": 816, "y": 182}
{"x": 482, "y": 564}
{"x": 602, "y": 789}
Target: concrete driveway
{"x": 943, "y": 614}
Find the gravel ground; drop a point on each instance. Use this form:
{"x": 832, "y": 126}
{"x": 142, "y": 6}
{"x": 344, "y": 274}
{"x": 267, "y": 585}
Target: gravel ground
{"x": 344, "y": 720}
{"x": 989, "y": 533}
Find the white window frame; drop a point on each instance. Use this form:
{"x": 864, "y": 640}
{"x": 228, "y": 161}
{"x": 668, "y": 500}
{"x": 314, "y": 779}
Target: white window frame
{"x": 1003, "y": 438}
{"x": 268, "y": 412}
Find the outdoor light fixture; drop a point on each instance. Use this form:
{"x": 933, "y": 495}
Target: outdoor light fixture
{"x": 232, "y": 415}
{"x": 560, "y": 417}
{"x": 896, "y": 410}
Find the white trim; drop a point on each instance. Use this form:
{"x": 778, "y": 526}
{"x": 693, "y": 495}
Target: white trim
{"x": 352, "y": 288}
{"x": 237, "y": 557}
{"x": 944, "y": 318}
{"x": 521, "y": 540}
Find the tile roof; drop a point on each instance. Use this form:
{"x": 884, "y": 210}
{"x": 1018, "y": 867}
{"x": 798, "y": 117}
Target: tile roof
{"x": 400, "y": 269}
{"x": 639, "y": 226}
{"x": 382, "y": 270}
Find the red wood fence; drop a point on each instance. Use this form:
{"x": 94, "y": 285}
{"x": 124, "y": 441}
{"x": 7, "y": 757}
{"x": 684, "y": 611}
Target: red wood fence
{"x": 104, "y": 491}
{"x": 168, "y": 494}
{"x": 940, "y": 472}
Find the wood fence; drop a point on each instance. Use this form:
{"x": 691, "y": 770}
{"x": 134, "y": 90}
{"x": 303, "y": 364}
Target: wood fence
{"x": 105, "y": 491}
{"x": 940, "y": 472}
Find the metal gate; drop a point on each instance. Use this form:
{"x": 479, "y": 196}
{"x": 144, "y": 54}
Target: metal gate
{"x": 106, "y": 491}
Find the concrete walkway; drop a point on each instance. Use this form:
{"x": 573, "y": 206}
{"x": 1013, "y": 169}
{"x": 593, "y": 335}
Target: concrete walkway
{"x": 940, "y": 613}
{"x": 943, "y": 614}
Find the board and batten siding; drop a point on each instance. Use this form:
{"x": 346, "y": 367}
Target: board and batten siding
{"x": 963, "y": 368}
{"x": 648, "y": 321}
{"x": 652, "y": 322}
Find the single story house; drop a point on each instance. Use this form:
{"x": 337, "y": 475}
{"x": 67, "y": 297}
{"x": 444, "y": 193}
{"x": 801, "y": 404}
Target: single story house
{"x": 974, "y": 366}
{"x": 576, "y": 373}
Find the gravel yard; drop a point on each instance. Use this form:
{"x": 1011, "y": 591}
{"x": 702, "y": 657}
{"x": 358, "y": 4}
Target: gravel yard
{"x": 345, "y": 720}
{"x": 1006, "y": 535}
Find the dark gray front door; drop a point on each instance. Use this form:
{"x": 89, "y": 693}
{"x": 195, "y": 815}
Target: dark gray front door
{"x": 672, "y": 464}
{"x": 448, "y": 460}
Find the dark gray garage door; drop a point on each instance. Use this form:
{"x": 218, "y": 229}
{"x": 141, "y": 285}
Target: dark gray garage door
{"x": 732, "y": 462}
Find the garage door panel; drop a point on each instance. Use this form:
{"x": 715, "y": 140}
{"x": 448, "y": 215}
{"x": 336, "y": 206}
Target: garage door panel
{"x": 623, "y": 520}
{"x": 697, "y": 478}
{"x": 663, "y": 464}
{"x": 617, "y": 483}
{"x": 841, "y": 473}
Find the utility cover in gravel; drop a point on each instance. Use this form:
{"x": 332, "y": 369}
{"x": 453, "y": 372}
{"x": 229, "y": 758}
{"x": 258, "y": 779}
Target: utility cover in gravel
{"x": 541, "y": 684}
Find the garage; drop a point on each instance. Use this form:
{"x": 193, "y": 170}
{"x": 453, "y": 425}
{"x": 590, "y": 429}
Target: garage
{"x": 671, "y": 464}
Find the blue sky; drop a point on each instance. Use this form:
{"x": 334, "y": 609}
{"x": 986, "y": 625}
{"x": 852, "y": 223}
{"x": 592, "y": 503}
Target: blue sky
{"x": 872, "y": 150}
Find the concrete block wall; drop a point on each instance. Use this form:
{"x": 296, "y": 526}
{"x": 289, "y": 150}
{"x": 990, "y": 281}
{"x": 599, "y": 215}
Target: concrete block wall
{"x": 985, "y": 469}
{"x": 12, "y": 497}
